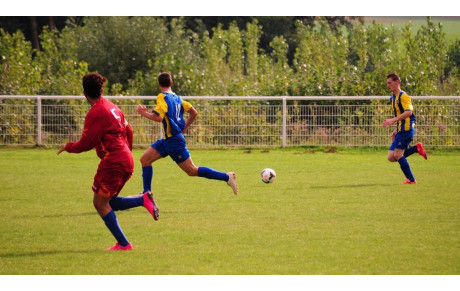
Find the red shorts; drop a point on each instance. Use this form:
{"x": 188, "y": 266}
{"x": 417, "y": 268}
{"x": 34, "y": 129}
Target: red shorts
{"x": 109, "y": 182}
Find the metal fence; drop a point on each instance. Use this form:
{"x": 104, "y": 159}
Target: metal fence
{"x": 239, "y": 121}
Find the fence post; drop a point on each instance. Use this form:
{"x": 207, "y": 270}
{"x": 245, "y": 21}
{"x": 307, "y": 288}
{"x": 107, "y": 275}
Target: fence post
{"x": 39, "y": 121}
{"x": 284, "y": 121}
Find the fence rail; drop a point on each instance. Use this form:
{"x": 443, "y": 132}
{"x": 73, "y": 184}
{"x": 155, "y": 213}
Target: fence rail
{"x": 239, "y": 121}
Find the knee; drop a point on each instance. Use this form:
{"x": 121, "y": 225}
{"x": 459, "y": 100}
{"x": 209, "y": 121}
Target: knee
{"x": 193, "y": 172}
{"x": 97, "y": 205}
{"x": 144, "y": 161}
{"x": 101, "y": 206}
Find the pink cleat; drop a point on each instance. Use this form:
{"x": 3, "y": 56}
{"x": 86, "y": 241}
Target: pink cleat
{"x": 410, "y": 182}
{"x": 420, "y": 150}
{"x": 150, "y": 205}
{"x": 118, "y": 247}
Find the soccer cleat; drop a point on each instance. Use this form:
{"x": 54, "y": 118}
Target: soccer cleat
{"x": 232, "y": 182}
{"x": 420, "y": 150}
{"x": 118, "y": 247}
{"x": 410, "y": 182}
{"x": 150, "y": 205}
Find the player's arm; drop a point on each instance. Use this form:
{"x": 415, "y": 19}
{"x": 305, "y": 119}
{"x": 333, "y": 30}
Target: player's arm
{"x": 390, "y": 121}
{"x": 192, "y": 114}
{"x": 142, "y": 110}
{"x": 91, "y": 136}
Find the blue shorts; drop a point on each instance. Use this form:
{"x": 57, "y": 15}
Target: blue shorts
{"x": 402, "y": 140}
{"x": 175, "y": 147}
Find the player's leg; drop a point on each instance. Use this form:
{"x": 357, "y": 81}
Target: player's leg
{"x": 181, "y": 155}
{"x": 391, "y": 151}
{"x": 417, "y": 148}
{"x": 102, "y": 206}
{"x": 404, "y": 164}
{"x": 189, "y": 167}
{"x": 391, "y": 156}
{"x": 396, "y": 153}
{"x": 149, "y": 156}
{"x": 410, "y": 151}
{"x": 122, "y": 203}
{"x": 107, "y": 185}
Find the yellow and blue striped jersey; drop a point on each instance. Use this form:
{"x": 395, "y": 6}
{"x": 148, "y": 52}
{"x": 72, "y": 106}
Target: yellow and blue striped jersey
{"x": 400, "y": 104}
{"x": 171, "y": 108}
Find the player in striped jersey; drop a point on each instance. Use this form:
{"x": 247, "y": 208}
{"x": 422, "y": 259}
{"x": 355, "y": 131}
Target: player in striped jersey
{"x": 169, "y": 112}
{"x": 403, "y": 134}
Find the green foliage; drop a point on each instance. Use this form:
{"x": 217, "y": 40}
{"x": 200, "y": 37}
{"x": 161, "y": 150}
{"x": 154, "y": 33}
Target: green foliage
{"x": 453, "y": 58}
{"x": 61, "y": 72}
{"x": 423, "y": 59}
{"x": 55, "y": 70}
{"x": 132, "y": 51}
{"x": 19, "y": 72}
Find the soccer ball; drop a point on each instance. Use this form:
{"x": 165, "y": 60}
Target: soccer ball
{"x": 268, "y": 175}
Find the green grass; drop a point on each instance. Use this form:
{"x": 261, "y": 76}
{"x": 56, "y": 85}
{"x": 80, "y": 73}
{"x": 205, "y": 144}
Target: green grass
{"x": 326, "y": 213}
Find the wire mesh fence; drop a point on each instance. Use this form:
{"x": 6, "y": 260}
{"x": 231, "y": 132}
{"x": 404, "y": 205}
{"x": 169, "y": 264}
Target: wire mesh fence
{"x": 238, "y": 121}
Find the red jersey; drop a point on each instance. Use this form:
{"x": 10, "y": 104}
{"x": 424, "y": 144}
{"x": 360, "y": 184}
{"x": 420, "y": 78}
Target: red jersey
{"x": 106, "y": 130}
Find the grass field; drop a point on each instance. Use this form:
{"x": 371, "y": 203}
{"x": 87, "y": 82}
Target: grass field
{"x": 344, "y": 212}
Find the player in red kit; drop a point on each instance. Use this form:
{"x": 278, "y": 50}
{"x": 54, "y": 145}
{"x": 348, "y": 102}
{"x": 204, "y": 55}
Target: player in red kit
{"x": 107, "y": 131}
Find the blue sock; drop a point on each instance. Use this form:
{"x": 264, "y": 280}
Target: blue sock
{"x": 406, "y": 169}
{"x": 147, "y": 175}
{"x": 123, "y": 203}
{"x": 212, "y": 174}
{"x": 111, "y": 222}
{"x": 410, "y": 151}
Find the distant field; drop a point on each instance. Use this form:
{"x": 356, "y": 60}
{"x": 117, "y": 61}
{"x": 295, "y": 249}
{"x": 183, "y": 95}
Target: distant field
{"x": 451, "y": 25}
{"x": 342, "y": 212}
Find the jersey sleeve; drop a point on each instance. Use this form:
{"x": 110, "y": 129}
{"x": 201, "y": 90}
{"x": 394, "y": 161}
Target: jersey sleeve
{"x": 129, "y": 135}
{"x": 91, "y": 135}
{"x": 406, "y": 102}
{"x": 162, "y": 107}
{"x": 186, "y": 105}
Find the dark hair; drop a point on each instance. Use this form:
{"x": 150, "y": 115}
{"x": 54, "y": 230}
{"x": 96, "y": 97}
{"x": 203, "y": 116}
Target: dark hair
{"x": 92, "y": 84}
{"x": 165, "y": 80}
{"x": 393, "y": 77}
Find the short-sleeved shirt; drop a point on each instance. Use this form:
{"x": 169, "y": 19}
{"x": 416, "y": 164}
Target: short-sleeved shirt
{"x": 171, "y": 108}
{"x": 107, "y": 130}
{"x": 400, "y": 104}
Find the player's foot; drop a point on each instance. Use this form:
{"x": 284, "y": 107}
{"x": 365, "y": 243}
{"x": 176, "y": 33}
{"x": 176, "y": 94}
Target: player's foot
{"x": 150, "y": 205}
{"x": 420, "y": 150}
{"x": 232, "y": 182}
{"x": 410, "y": 182}
{"x": 118, "y": 247}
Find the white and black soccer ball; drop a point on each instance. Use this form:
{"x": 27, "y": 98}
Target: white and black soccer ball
{"x": 268, "y": 175}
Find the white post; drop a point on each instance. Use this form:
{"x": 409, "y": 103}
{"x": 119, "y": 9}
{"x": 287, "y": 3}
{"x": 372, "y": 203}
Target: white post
{"x": 39, "y": 121}
{"x": 284, "y": 121}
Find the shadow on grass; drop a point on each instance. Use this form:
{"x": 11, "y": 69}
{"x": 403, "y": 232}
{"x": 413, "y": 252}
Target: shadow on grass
{"x": 348, "y": 186}
{"x": 57, "y": 215}
{"x": 45, "y": 253}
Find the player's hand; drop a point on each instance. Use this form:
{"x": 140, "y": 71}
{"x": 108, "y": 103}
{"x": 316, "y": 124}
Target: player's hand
{"x": 393, "y": 135}
{"x": 141, "y": 109}
{"x": 388, "y": 122}
{"x": 60, "y": 150}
